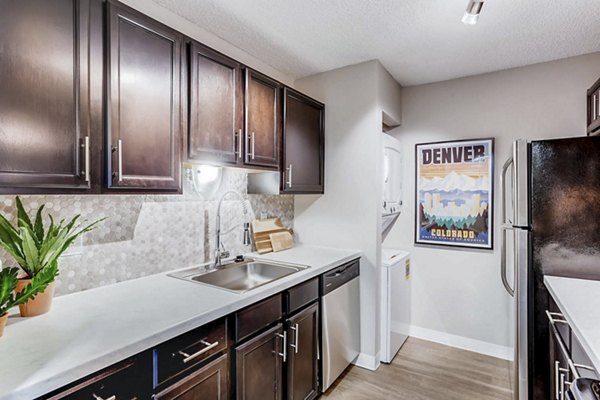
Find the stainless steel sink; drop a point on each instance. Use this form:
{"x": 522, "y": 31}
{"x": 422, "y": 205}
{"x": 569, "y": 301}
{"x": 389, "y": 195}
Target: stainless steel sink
{"x": 240, "y": 277}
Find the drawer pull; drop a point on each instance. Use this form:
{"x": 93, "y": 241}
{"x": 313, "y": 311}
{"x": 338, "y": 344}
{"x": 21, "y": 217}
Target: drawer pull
{"x": 284, "y": 337}
{"x": 209, "y": 346}
{"x": 296, "y": 335}
{"x": 96, "y": 397}
{"x": 560, "y": 319}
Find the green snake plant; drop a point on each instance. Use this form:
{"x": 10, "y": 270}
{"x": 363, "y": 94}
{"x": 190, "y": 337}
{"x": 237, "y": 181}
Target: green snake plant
{"x": 35, "y": 248}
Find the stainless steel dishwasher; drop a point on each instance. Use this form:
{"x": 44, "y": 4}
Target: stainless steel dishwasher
{"x": 341, "y": 320}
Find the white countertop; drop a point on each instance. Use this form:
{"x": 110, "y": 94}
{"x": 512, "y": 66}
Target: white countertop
{"x": 579, "y": 302}
{"x": 87, "y": 331}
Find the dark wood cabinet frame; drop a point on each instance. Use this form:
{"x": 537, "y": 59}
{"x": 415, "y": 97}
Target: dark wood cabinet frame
{"x": 316, "y": 187}
{"x": 593, "y": 109}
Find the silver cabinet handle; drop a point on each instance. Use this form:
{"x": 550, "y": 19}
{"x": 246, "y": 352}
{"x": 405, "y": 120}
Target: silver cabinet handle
{"x": 234, "y": 144}
{"x": 562, "y": 386}
{"x": 96, "y": 397}
{"x": 284, "y": 337}
{"x": 296, "y": 335}
{"x": 239, "y": 143}
{"x": 86, "y": 163}
{"x": 209, "y": 346}
{"x": 120, "y": 157}
{"x": 253, "y": 142}
{"x": 556, "y": 379}
{"x": 560, "y": 319}
{"x": 289, "y": 181}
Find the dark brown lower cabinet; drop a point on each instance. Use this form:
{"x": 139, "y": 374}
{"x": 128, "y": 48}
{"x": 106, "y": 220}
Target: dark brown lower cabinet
{"x": 303, "y": 354}
{"x": 208, "y": 383}
{"x": 128, "y": 380}
{"x": 259, "y": 366}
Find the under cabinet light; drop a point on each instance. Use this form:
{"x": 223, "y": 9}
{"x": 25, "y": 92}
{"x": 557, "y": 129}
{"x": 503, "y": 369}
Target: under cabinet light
{"x": 472, "y": 13}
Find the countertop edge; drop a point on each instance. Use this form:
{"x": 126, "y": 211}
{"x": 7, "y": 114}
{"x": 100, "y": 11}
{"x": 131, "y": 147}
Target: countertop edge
{"x": 36, "y": 389}
{"x": 590, "y": 351}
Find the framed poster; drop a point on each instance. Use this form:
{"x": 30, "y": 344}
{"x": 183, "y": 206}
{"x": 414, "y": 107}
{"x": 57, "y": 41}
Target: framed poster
{"x": 454, "y": 193}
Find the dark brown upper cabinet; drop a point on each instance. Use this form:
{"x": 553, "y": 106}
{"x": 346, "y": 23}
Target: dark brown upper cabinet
{"x": 303, "y": 144}
{"x": 593, "y": 109}
{"x": 216, "y": 107}
{"x": 143, "y": 102}
{"x": 262, "y": 121}
{"x": 48, "y": 124}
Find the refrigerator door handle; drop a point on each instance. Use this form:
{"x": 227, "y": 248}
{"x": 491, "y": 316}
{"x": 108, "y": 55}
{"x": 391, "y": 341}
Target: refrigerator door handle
{"x": 509, "y": 289}
{"x": 503, "y": 181}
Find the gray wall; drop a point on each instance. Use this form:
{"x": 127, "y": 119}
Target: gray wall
{"x": 347, "y": 215}
{"x": 457, "y": 294}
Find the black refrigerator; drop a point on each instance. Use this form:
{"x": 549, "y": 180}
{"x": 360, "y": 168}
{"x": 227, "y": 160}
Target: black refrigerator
{"x": 550, "y": 226}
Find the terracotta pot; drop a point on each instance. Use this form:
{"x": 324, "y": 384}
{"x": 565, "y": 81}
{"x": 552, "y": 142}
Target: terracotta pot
{"x": 3, "y": 319}
{"x": 40, "y": 304}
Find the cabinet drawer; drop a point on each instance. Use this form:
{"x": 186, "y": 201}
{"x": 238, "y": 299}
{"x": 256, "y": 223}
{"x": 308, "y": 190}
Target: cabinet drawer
{"x": 124, "y": 381}
{"x": 208, "y": 383}
{"x": 301, "y": 295}
{"x": 189, "y": 349}
{"x": 258, "y": 316}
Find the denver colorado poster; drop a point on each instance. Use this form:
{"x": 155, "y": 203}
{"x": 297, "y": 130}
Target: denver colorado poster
{"x": 454, "y": 193}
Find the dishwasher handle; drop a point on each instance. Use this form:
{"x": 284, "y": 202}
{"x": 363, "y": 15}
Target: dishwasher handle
{"x": 339, "y": 276}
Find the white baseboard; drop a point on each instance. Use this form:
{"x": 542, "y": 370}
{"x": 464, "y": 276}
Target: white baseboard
{"x": 367, "y": 361}
{"x": 461, "y": 342}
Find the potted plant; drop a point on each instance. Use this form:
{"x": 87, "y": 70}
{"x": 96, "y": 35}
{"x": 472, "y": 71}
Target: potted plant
{"x": 36, "y": 250}
{"x": 8, "y": 284}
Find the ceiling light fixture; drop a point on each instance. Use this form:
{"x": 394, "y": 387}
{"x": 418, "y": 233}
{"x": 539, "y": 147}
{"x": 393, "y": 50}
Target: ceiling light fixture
{"x": 472, "y": 13}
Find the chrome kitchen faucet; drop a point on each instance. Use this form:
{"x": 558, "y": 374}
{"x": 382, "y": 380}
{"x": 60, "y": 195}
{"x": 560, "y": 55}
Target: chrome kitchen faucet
{"x": 219, "y": 255}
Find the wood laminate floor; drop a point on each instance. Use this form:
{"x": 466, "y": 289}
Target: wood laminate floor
{"x": 427, "y": 371}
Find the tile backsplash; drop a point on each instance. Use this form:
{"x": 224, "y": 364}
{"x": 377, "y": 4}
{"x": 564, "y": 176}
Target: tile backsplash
{"x": 148, "y": 234}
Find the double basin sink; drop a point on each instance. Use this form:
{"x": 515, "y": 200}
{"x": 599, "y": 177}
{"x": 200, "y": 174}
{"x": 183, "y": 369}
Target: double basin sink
{"x": 239, "y": 277}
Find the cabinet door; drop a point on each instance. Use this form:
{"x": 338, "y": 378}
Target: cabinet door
{"x": 144, "y": 77}
{"x": 216, "y": 107}
{"x": 208, "y": 383}
{"x": 559, "y": 366}
{"x": 303, "y": 144}
{"x": 302, "y": 367}
{"x": 259, "y": 366}
{"x": 45, "y": 108}
{"x": 263, "y": 122}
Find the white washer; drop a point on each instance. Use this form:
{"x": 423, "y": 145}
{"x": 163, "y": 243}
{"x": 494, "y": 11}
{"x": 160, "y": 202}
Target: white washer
{"x": 395, "y": 301}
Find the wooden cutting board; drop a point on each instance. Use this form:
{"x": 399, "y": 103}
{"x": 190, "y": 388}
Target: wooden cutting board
{"x": 261, "y": 231}
{"x": 281, "y": 241}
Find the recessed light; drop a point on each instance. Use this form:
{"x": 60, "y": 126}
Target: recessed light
{"x": 472, "y": 13}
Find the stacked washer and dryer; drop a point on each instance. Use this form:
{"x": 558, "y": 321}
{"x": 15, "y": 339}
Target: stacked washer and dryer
{"x": 395, "y": 263}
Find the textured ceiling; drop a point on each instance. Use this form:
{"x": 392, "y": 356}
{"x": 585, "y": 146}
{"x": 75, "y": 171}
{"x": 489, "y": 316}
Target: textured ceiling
{"x": 418, "y": 41}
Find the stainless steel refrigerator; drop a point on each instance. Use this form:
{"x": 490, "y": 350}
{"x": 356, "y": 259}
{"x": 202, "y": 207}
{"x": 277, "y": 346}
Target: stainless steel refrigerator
{"x": 550, "y": 226}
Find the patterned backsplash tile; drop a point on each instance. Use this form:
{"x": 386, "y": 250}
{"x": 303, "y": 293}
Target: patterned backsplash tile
{"x": 148, "y": 234}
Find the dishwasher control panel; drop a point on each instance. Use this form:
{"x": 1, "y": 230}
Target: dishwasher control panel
{"x": 339, "y": 276}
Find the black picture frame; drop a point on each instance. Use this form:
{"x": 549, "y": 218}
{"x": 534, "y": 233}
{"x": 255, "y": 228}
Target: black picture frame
{"x": 444, "y": 233}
